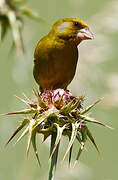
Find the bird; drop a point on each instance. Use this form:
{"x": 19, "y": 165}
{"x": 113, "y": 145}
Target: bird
{"x": 56, "y": 54}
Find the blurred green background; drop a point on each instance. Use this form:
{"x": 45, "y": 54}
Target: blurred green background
{"x": 97, "y": 76}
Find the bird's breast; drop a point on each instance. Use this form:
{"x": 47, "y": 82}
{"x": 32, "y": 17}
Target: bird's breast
{"x": 56, "y": 68}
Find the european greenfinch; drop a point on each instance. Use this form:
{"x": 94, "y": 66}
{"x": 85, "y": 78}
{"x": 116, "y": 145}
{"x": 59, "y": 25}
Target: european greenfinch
{"x": 56, "y": 54}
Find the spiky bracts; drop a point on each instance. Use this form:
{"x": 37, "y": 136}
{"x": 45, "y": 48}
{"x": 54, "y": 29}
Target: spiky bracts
{"x": 56, "y": 113}
{"x": 11, "y": 17}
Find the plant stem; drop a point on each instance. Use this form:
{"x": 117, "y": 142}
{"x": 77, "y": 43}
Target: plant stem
{"x": 53, "y": 158}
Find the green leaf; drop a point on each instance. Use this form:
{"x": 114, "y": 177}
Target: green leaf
{"x": 84, "y": 138}
{"x": 34, "y": 15}
{"x": 78, "y": 137}
{"x": 24, "y": 111}
{"x": 28, "y": 99}
{"x": 26, "y": 102}
{"x": 67, "y": 108}
{"x": 76, "y": 105}
{"x": 70, "y": 154}
{"x": 40, "y": 101}
{"x": 4, "y": 28}
{"x": 73, "y": 136}
{"x": 79, "y": 153}
{"x": 16, "y": 30}
{"x": 16, "y": 2}
{"x": 83, "y": 131}
{"x": 39, "y": 121}
{"x": 23, "y": 134}
{"x": 31, "y": 124}
{"x": 46, "y": 135}
{"x": 58, "y": 138}
{"x": 89, "y": 119}
{"x": 57, "y": 152}
{"x": 89, "y": 107}
{"x": 92, "y": 139}
{"x": 23, "y": 123}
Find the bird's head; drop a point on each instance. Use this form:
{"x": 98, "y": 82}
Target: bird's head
{"x": 71, "y": 29}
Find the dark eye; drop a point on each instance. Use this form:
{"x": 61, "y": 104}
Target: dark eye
{"x": 77, "y": 24}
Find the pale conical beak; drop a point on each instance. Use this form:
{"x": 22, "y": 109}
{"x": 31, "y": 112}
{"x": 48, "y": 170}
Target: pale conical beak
{"x": 85, "y": 33}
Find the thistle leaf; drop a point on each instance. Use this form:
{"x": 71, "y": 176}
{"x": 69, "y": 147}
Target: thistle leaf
{"x": 28, "y": 99}
{"x": 70, "y": 154}
{"x": 83, "y": 131}
{"x": 46, "y": 135}
{"x": 78, "y": 138}
{"x": 24, "y": 111}
{"x": 15, "y": 30}
{"x": 26, "y": 102}
{"x": 40, "y": 101}
{"x": 34, "y": 15}
{"x": 89, "y": 107}
{"x": 76, "y": 105}
{"x": 84, "y": 138}
{"x": 67, "y": 108}
{"x": 4, "y": 28}
{"x": 89, "y": 119}
{"x": 16, "y": 2}
{"x": 92, "y": 139}
{"x": 73, "y": 136}
{"x": 23, "y": 123}
{"x": 57, "y": 152}
{"x": 34, "y": 146}
{"x": 31, "y": 124}
{"x": 30, "y": 104}
{"x": 59, "y": 135}
{"x": 39, "y": 121}
{"x": 79, "y": 153}
{"x": 28, "y": 12}
{"x": 23, "y": 134}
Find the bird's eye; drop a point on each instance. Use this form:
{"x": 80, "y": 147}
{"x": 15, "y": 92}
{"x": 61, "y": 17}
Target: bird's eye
{"x": 77, "y": 24}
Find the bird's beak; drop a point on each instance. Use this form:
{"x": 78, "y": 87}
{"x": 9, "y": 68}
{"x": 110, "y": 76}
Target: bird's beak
{"x": 85, "y": 33}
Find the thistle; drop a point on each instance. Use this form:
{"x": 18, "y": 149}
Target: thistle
{"x": 56, "y": 113}
{"x": 11, "y": 17}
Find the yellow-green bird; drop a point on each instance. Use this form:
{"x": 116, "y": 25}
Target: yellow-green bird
{"x": 56, "y": 54}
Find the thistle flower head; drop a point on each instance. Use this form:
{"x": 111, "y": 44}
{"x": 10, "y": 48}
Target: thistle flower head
{"x": 56, "y": 112}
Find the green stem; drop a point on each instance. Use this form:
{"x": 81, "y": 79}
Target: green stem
{"x": 53, "y": 158}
